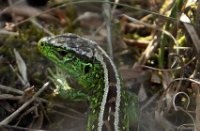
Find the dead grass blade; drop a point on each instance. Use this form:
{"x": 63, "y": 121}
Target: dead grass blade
{"x": 22, "y": 69}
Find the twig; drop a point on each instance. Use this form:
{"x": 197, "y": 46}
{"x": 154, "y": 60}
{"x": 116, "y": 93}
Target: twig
{"x": 107, "y": 17}
{"x": 34, "y": 21}
{"x": 172, "y": 69}
{"x": 9, "y": 97}
{"x": 152, "y": 27}
{"x": 10, "y": 89}
{"x": 14, "y": 114}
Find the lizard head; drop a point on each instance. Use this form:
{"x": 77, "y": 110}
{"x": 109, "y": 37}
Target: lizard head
{"x": 75, "y": 55}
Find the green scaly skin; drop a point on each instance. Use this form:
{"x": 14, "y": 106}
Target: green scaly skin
{"x": 83, "y": 67}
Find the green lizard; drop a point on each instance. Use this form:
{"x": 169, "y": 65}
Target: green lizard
{"x": 111, "y": 107}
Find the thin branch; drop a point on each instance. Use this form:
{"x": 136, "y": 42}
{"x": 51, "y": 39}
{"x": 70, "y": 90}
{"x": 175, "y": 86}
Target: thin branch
{"x": 14, "y": 114}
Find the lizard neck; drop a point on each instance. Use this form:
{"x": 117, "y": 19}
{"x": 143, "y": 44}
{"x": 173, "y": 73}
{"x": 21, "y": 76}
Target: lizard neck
{"x": 112, "y": 93}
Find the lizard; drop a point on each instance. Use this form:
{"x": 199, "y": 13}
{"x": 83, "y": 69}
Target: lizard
{"x": 111, "y": 107}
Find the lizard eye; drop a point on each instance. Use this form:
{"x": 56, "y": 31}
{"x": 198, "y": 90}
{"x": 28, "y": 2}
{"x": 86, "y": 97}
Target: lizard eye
{"x": 62, "y": 53}
{"x": 87, "y": 69}
{"x": 65, "y": 56}
{"x": 42, "y": 44}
